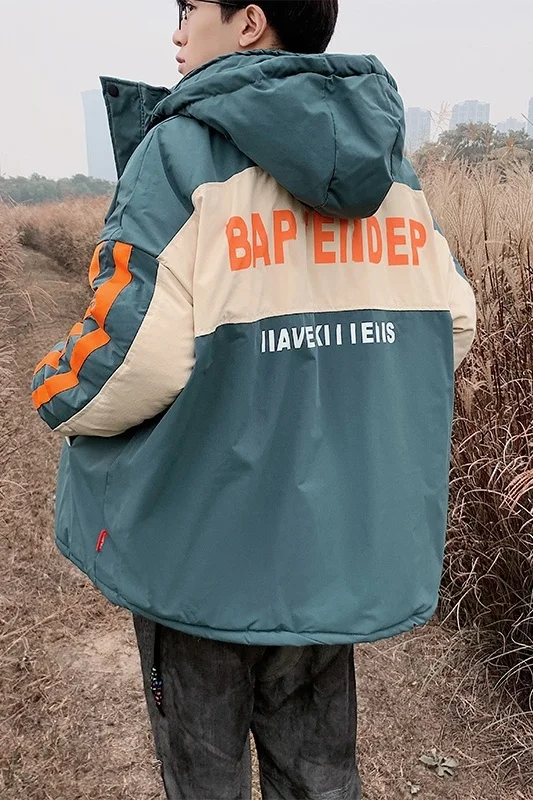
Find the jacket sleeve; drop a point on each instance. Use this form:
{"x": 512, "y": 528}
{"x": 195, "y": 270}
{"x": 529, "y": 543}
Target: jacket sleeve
{"x": 133, "y": 352}
{"x": 463, "y": 310}
{"x": 461, "y": 300}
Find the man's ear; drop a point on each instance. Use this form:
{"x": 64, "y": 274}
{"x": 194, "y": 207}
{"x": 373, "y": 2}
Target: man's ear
{"x": 255, "y": 28}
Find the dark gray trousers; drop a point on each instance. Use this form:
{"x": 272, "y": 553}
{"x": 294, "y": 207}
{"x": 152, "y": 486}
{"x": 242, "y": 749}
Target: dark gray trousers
{"x": 204, "y": 697}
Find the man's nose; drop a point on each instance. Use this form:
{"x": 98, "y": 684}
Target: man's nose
{"x": 177, "y": 37}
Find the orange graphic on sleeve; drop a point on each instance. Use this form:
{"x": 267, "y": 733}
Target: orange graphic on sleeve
{"x": 98, "y": 310}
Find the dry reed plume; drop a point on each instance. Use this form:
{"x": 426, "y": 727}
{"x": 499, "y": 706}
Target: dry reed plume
{"x": 487, "y": 215}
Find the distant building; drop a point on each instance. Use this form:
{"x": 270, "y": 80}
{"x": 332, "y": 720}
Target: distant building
{"x": 511, "y": 124}
{"x": 530, "y": 118}
{"x": 418, "y": 124}
{"x": 469, "y": 111}
{"x": 101, "y": 162}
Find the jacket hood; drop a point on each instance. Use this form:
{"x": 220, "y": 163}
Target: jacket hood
{"x": 329, "y": 128}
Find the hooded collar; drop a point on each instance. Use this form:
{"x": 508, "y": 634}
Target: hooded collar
{"x": 329, "y": 128}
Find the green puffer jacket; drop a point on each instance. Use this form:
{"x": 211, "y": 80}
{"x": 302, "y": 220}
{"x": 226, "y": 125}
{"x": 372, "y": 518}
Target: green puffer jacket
{"x": 257, "y": 405}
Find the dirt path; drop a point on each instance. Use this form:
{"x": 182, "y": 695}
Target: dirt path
{"x": 74, "y": 724}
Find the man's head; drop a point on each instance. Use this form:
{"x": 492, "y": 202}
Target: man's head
{"x": 210, "y": 29}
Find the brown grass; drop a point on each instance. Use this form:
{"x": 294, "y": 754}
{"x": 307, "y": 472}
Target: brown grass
{"x": 487, "y": 215}
{"x": 10, "y": 264}
{"x": 66, "y": 232}
{"x": 10, "y": 261}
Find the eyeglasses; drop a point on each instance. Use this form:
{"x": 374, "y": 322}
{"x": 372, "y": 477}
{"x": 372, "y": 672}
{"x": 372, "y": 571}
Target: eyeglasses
{"x": 184, "y": 8}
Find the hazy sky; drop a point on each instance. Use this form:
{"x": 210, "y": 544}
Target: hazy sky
{"x": 440, "y": 51}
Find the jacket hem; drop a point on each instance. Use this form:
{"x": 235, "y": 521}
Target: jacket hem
{"x": 279, "y": 638}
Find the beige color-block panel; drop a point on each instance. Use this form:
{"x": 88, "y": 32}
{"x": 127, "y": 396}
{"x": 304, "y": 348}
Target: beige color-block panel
{"x": 261, "y": 253}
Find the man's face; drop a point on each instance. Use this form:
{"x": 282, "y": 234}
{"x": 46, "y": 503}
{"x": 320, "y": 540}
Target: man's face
{"x": 203, "y": 36}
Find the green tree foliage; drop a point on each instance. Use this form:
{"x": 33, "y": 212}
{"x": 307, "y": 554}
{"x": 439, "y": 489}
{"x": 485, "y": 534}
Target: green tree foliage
{"x": 476, "y": 143}
{"x": 38, "y": 189}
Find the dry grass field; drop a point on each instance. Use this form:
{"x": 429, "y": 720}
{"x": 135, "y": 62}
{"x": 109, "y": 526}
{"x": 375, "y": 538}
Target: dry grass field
{"x": 72, "y": 719}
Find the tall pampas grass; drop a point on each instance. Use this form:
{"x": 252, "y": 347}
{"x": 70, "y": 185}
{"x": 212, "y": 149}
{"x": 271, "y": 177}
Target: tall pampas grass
{"x": 486, "y": 213}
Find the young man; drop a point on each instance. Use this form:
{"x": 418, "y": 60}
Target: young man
{"x": 258, "y": 402}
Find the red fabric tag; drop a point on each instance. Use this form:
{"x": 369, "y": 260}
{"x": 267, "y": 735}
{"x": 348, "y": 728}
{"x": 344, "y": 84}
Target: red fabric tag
{"x": 101, "y": 540}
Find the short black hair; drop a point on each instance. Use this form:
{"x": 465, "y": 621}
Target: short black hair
{"x": 301, "y": 26}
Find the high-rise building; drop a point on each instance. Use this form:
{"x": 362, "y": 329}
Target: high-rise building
{"x": 469, "y": 111}
{"x": 530, "y": 118}
{"x": 418, "y": 128}
{"x": 100, "y": 158}
{"x": 511, "y": 124}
